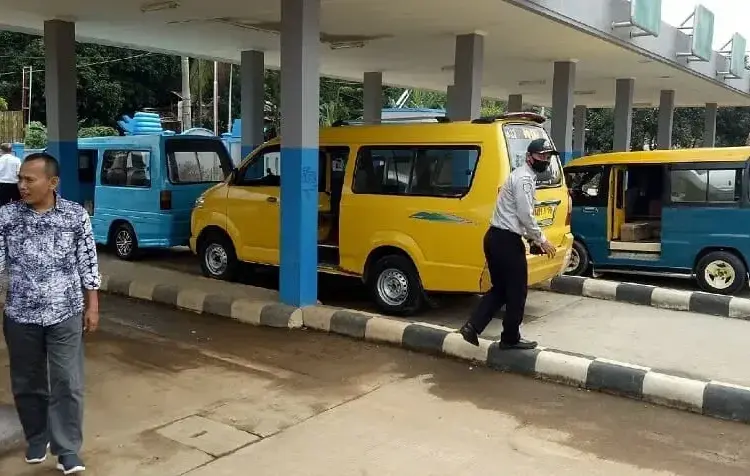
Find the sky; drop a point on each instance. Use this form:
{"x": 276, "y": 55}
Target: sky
{"x": 730, "y": 16}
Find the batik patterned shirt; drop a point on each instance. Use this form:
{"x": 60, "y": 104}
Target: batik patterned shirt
{"x": 50, "y": 258}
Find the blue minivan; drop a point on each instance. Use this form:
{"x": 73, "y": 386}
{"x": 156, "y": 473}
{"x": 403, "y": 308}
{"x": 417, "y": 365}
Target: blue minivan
{"x": 140, "y": 189}
{"x": 682, "y": 213}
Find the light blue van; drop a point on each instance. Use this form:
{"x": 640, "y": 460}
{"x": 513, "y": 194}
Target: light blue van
{"x": 140, "y": 189}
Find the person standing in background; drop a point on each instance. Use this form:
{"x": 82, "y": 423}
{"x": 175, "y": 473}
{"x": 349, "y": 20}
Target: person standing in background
{"x": 10, "y": 165}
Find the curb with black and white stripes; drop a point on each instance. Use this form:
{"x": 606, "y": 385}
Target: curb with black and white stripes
{"x": 654, "y": 296}
{"x": 711, "y": 398}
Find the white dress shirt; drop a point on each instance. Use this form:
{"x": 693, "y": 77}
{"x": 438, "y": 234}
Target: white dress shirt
{"x": 514, "y": 209}
{"x": 10, "y": 165}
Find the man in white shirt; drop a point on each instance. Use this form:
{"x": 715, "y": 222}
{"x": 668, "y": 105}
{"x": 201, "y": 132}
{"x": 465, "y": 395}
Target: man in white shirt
{"x": 512, "y": 220}
{"x": 10, "y": 165}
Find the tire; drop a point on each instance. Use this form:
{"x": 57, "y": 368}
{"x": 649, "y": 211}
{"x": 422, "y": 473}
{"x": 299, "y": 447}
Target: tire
{"x": 125, "y": 242}
{"x": 218, "y": 258}
{"x": 580, "y": 262}
{"x": 721, "y": 272}
{"x": 395, "y": 286}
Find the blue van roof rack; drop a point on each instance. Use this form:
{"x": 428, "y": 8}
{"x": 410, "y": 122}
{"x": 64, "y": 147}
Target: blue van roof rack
{"x": 415, "y": 119}
{"x": 529, "y": 116}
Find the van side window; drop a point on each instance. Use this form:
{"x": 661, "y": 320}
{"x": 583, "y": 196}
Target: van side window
{"x": 706, "y": 186}
{"x": 588, "y": 187}
{"x": 422, "y": 171}
{"x": 126, "y": 168}
{"x": 264, "y": 170}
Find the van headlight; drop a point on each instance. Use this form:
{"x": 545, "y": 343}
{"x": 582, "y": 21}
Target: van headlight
{"x": 200, "y": 201}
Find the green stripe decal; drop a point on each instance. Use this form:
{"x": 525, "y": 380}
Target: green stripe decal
{"x": 441, "y": 217}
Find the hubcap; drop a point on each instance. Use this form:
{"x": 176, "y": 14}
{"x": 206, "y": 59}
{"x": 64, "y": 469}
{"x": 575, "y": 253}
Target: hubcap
{"x": 574, "y": 262}
{"x": 124, "y": 243}
{"x": 393, "y": 287}
{"x": 719, "y": 274}
{"x": 216, "y": 259}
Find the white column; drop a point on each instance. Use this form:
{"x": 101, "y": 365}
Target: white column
{"x": 623, "y": 114}
{"x": 469, "y": 68}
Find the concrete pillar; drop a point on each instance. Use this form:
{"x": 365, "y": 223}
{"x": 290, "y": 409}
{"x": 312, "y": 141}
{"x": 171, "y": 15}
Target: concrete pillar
{"x": 300, "y": 91}
{"x": 666, "y": 120}
{"x": 563, "y": 85}
{"x": 515, "y": 103}
{"x": 60, "y": 94}
{"x": 373, "y": 97}
{"x": 252, "y": 94}
{"x": 469, "y": 67}
{"x": 623, "y": 114}
{"x": 709, "y": 132}
{"x": 579, "y": 131}
{"x": 450, "y": 101}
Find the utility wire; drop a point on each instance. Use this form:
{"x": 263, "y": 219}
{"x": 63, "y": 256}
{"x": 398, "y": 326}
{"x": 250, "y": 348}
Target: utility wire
{"x": 95, "y": 63}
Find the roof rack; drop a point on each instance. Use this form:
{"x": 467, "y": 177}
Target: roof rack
{"x": 529, "y": 116}
{"x": 415, "y": 119}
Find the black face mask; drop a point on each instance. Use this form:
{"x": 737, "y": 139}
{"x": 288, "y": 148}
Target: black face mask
{"x": 539, "y": 166}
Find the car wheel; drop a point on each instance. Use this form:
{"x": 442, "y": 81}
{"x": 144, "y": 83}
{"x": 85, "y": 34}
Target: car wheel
{"x": 395, "y": 286}
{"x": 721, "y": 272}
{"x": 218, "y": 258}
{"x": 125, "y": 242}
{"x": 580, "y": 262}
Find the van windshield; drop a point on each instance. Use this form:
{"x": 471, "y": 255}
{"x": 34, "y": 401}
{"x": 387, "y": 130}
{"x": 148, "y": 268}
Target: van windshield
{"x": 517, "y": 138}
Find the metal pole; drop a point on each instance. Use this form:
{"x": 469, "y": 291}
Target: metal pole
{"x": 187, "y": 114}
{"x": 229, "y": 106}
{"x": 31, "y": 85}
{"x": 216, "y": 98}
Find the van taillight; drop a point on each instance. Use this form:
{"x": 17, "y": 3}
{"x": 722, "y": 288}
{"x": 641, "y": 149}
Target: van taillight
{"x": 570, "y": 210}
{"x": 165, "y": 200}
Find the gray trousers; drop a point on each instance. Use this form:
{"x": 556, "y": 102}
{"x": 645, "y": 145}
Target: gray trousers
{"x": 46, "y": 375}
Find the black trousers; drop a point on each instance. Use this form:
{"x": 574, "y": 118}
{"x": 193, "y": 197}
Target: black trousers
{"x": 506, "y": 260}
{"x": 9, "y": 192}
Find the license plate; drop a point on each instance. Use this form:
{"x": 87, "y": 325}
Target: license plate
{"x": 544, "y": 214}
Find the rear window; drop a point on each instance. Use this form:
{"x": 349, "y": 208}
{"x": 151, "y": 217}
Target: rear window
{"x": 197, "y": 161}
{"x": 517, "y": 138}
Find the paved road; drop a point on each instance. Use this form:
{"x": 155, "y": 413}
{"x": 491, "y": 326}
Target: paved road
{"x": 172, "y": 393}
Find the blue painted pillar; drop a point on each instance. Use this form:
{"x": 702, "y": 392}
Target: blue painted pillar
{"x": 300, "y": 91}
{"x": 465, "y": 96}
{"x": 60, "y": 94}
{"x": 252, "y": 81}
{"x": 563, "y": 85}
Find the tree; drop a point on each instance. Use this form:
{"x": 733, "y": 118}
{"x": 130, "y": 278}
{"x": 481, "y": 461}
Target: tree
{"x": 36, "y": 136}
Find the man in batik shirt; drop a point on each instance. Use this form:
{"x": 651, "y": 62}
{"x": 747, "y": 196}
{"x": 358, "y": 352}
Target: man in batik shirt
{"x": 47, "y": 247}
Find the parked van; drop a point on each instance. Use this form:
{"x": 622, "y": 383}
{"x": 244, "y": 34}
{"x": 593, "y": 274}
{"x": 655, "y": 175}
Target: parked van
{"x": 140, "y": 189}
{"x": 404, "y": 207}
{"x": 674, "y": 212}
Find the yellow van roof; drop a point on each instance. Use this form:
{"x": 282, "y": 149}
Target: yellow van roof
{"x": 717, "y": 154}
{"x": 411, "y": 132}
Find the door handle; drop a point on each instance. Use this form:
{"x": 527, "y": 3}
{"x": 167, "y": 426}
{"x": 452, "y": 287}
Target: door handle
{"x": 272, "y": 200}
{"x": 591, "y": 210}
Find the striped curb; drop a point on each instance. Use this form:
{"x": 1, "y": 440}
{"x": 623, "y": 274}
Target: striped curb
{"x": 654, "y": 296}
{"x": 711, "y": 398}
{"x": 11, "y": 434}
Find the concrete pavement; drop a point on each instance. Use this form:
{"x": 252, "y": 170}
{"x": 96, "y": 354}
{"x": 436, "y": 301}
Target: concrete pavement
{"x": 173, "y": 393}
{"x": 620, "y": 348}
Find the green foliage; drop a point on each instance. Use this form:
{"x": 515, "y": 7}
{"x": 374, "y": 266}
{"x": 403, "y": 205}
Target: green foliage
{"x": 97, "y": 131}
{"x": 3, "y": 104}
{"x": 36, "y": 136}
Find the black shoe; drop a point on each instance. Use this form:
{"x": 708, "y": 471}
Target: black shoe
{"x": 70, "y": 464}
{"x": 37, "y": 454}
{"x": 520, "y": 345}
{"x": 469, "y": 334}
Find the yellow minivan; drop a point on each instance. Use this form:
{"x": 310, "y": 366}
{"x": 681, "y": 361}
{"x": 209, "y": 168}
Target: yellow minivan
{"x": 404, "y": 207}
